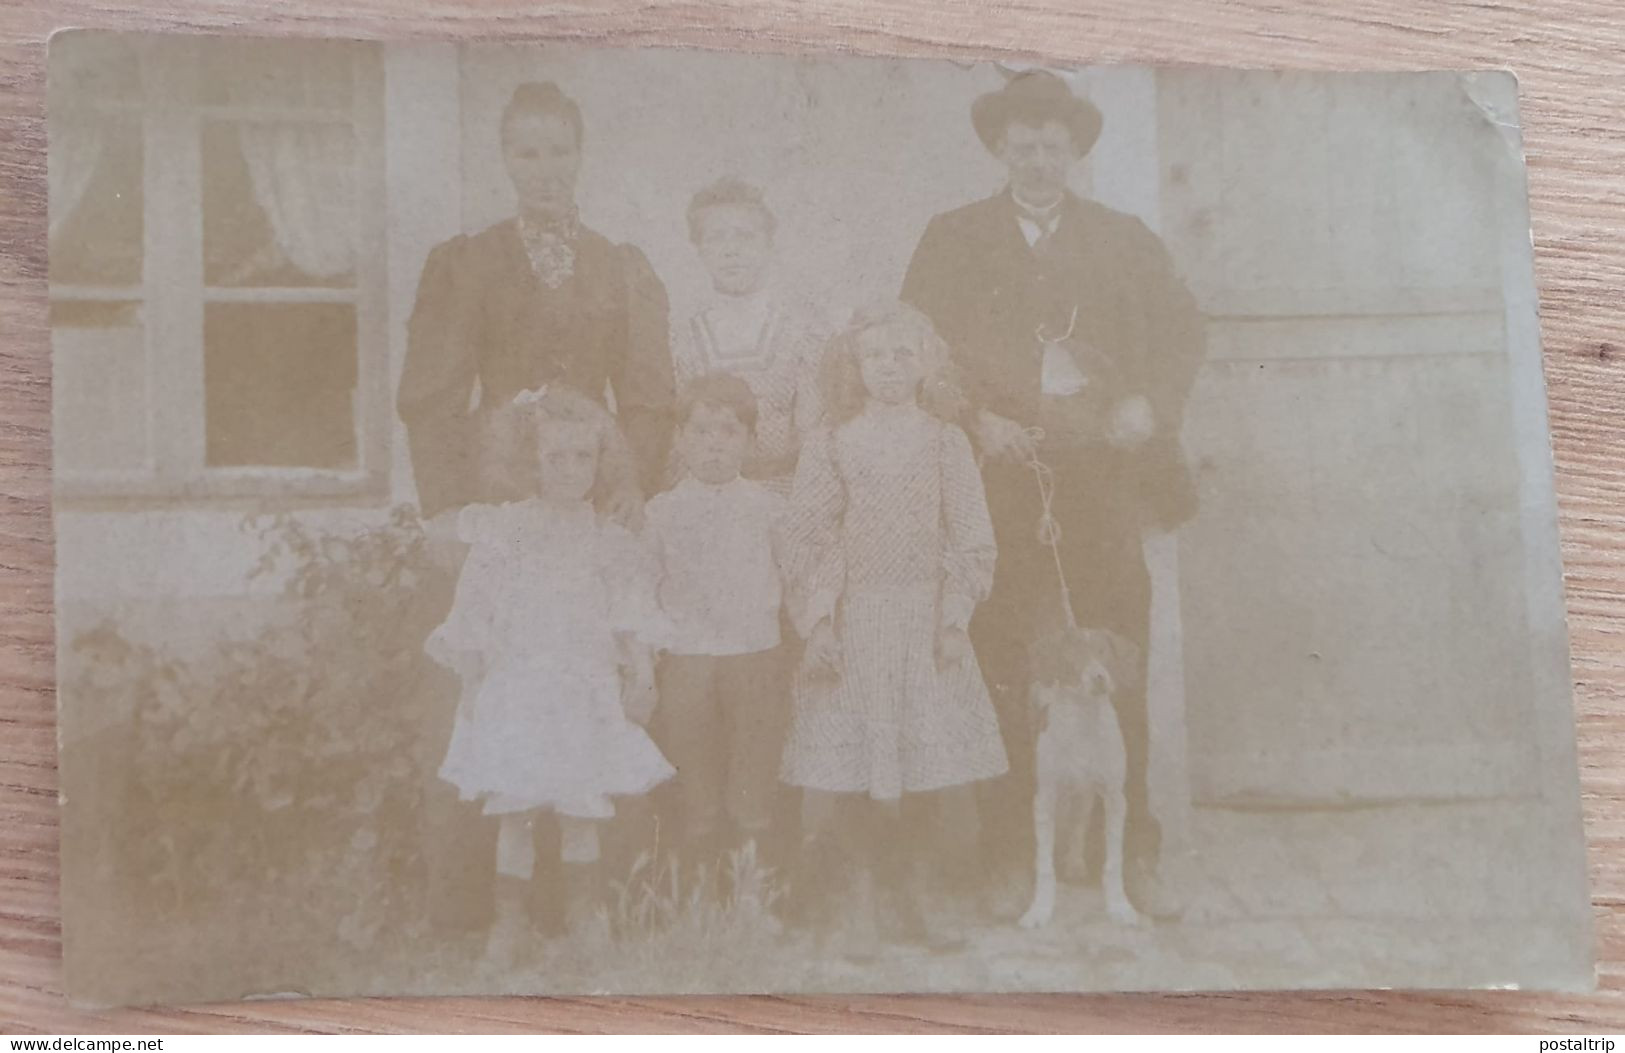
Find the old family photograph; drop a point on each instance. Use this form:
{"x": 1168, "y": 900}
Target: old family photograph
{"x": 730, "y": 523}
{"x": 833, "y": 589}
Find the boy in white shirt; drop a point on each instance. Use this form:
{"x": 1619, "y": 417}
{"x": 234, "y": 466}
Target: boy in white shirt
{"x": 724, "y": 700}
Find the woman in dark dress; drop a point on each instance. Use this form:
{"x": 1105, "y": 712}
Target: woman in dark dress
{"x": 537, "y": 299}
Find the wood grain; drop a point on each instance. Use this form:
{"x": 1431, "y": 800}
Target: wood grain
{"x": 1566, "y": 54}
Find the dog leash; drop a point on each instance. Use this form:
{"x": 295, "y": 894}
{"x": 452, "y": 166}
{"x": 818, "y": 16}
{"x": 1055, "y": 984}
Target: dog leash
{"x": 1049, "y": 531}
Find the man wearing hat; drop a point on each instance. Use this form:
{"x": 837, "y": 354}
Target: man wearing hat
{"x": 1076, "y": 344}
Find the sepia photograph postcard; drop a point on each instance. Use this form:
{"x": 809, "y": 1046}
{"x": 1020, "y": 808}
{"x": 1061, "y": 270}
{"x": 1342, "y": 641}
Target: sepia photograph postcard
{"x": 541, "y": 519}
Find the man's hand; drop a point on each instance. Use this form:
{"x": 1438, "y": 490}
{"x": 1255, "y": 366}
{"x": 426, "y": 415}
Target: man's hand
{"x": 1132, "y": 423}
{"x": 1002, "y": 438}
{"x": 953, "y": 647}
{"x": 822, "y": 659}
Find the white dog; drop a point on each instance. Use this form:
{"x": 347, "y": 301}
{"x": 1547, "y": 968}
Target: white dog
{"x": 1080, "y": 754}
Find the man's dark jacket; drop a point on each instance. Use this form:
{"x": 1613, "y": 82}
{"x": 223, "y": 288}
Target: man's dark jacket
{"x": 987, "y": 292}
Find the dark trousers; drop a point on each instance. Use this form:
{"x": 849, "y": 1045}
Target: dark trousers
{"x": 721, "y": 723}
{"x": 1104, "y": 564}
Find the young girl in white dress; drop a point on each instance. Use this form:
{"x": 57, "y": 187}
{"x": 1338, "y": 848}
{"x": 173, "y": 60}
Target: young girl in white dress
{"x": 891, "y": 548}
{"x": 750, "y": 329}
{"x": 544, "y": 633}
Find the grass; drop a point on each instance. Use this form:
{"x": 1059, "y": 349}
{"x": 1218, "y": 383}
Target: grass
{"x": 719, "y": 916}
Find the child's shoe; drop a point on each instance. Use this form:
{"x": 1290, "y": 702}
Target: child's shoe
{"x": 510, "y": 927}
{"x": 918, "y": 923}
{"x": 584, "y": 919}
{"x": 915, "y": 913}
{"x": 811, "y": 886}
{"x": 861, "y": 933}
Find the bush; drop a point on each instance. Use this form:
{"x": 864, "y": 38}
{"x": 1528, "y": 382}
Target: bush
{"x": 271, "y": 787}
{"x": 264, "y": 799}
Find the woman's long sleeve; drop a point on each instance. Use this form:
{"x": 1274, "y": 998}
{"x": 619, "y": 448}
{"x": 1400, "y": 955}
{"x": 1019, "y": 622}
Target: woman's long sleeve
{"x": 642, "y": 377}
{"x": 437, "y": 380}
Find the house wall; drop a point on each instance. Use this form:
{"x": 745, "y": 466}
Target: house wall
{"x": 852, "y": 202}
{"x": 1341, "y": 598}
{"x": 1356, "y": 618}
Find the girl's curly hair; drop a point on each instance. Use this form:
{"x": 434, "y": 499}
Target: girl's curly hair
{"x": 512, "y": 445}
{"x": 840, "y": 378}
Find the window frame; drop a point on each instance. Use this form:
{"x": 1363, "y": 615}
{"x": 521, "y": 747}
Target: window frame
{"x": 173, "y": 293}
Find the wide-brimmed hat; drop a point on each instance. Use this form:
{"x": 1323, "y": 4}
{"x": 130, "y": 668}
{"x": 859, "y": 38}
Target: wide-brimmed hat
{"x": 1035, "y": 97}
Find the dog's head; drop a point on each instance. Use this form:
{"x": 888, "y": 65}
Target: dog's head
{"x": 1082, "y": 663}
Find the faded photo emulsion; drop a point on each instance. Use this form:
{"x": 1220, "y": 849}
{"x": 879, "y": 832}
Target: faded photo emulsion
{"x": 538, "y": 519}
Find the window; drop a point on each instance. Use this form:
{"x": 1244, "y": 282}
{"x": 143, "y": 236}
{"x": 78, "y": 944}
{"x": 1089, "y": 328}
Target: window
{"x": 217, "y": 286}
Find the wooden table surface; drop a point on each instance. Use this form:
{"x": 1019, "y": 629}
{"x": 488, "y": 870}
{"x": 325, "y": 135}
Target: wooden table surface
{"x": 1570, "y": 58}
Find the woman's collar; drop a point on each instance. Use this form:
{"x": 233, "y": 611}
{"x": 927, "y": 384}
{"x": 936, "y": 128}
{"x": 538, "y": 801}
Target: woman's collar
{"x": 565, "y": 225}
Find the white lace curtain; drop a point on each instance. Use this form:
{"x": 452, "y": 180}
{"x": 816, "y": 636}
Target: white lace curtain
{"x": 83, "y": 73}
{"x": 303, "y": 172}
{"x": 303, "y": 175}
{"x": 75, "y": 149}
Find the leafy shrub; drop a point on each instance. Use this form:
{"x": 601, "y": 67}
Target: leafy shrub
{"x": 268, "y": 790}
{"x": 266, "y": 795}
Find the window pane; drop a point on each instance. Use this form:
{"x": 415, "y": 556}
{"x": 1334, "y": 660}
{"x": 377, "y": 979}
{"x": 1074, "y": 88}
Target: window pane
{"x": 279, "y": 382}
{"x": 96, "y": 199}
{"x": 279, "y": 203}
{"x": 93, "y": 90}
{"x": 89, "y": 69}
{"x": 259, "y": 72}
{"x": 98, "y": 387}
